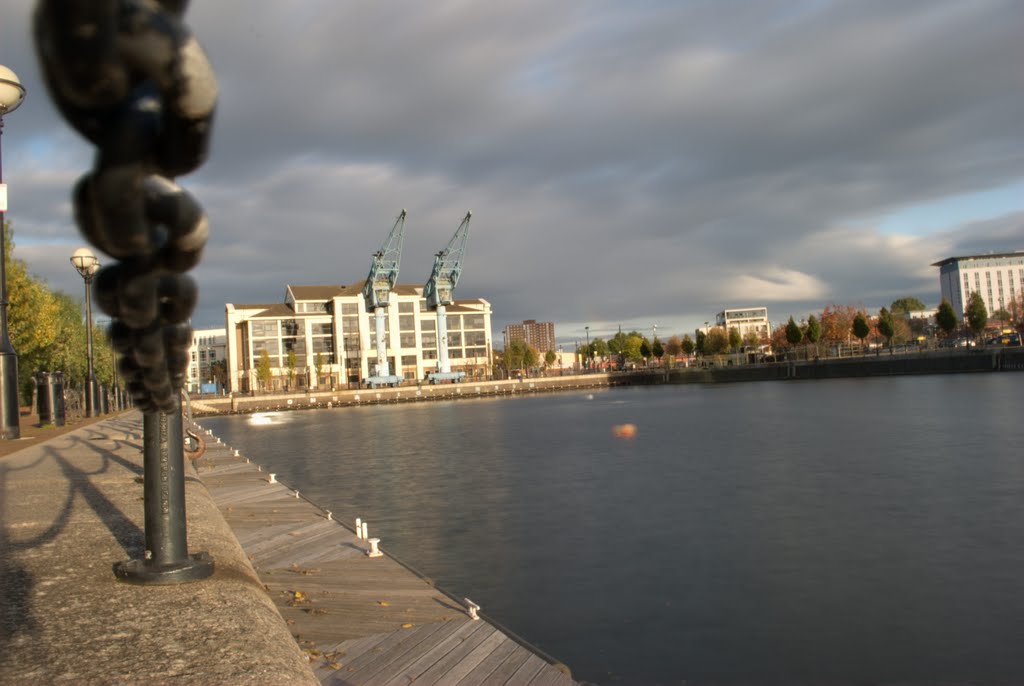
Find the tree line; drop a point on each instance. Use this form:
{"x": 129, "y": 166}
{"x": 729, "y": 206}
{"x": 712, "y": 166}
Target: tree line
{"x": 47, "y": 330}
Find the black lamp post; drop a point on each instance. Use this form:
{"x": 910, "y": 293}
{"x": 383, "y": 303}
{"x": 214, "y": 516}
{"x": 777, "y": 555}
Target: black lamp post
{"x": 87, "y": 265}
{"x": 589, "y": 358}
{"x": 11, "y": 95}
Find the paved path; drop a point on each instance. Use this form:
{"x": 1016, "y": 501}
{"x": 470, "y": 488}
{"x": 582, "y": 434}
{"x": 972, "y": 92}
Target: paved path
{"x": 70, "y": 508}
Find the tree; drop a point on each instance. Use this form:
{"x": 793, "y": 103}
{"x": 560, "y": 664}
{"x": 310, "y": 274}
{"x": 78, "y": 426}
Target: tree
{"x": 976, "y": 314}
{"x": 645, "y": 351}
{"x": 290, "y": 362}
{"x": 837, "y": 323}
{"x": 318, "y": 367}
{"x": 734, "y": 339}
{"x": 520, "y": 355}
{"x": 688, "y": 345}
{"x": 549, "y": 358}
{"x": 945, "y": 317}
{"x": 860, "y": 327}
{"x": 716, "y": 342}
{"x": 598, "y": 349}
{"x": 793, "y": 333}
{"x": 219, "y": 372}
{"x": 886, "y": 326}
{"x": 657, "y": 349}
{"x": 702, "y": 338}
{"x": 751, "y": 339}
{"x": 674, "y": 346}
{"x": 1002, "y": 314}
{"x": 263, "y": 370}
{"x": 905, "y": 305}
{"x": 813, "y": 332}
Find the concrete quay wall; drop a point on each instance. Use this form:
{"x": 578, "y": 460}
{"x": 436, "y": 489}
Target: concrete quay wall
{"x": 883, "y": 364}
{"x": 260, "y": 402}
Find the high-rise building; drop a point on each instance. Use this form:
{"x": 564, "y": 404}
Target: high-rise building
{"x": 323, "y": 336}
{"x": 998, "y": 277}
{"x": 540, "y": 335}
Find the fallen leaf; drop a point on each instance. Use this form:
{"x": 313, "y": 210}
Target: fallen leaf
{"x": 407, "y": 625}
{"x": 383, "y": 603}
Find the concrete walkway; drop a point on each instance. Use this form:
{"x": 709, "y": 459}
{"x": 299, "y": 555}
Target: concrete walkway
{"x": 70, "y": 508}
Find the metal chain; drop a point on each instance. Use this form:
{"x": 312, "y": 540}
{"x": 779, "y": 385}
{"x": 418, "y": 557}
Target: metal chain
{"x": 131, "y": 79}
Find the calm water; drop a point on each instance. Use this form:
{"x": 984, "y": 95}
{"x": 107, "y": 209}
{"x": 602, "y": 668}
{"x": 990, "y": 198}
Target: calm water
{"x": 847, "y": 532}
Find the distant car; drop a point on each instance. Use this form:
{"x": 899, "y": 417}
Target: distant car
{"x": 1004, "y": 339}
{"x": 964, "y": 343}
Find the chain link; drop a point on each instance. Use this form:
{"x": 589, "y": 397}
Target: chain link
{"x": 130, "y": 78}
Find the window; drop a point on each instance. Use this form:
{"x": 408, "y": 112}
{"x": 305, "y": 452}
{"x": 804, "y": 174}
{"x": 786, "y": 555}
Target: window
{"x": 428, "y": 324}
{"x": 455, "y": 339}
{"x": 263, "y": 329}
{"x": 475, "y": 338}
{"x": 429, "y": 340}
{"x": 407, "y": 339}
{"x": 406, "y": 307}
{"x": 473, "y": 321}
{"x": 349, "y": 308}
{"x": 454, "y": 322}
{"x": 407, "y": 322}
{"x": 409, "y": 360}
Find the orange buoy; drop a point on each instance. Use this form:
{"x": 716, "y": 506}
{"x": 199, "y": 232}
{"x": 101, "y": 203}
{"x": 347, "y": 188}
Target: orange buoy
{"x": 624, "y": 430}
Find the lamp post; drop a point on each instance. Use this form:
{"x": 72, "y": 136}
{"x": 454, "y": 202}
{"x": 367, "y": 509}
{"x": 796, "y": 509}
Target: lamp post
{"x": 87, "y": 265}
{"x": 590, "y": 357}
{"x": 11, "y": 95}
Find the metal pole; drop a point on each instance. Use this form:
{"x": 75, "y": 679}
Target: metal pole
{"x": 90, "y": 378}
{"x": 167, "y": 560}
{"x": 10, "y": 426}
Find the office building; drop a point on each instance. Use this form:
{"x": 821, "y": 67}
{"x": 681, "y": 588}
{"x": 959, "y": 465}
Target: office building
{"x": 208, "y": 346}
{"x": 323, "y": 337}
{"x": 998, "y": 277}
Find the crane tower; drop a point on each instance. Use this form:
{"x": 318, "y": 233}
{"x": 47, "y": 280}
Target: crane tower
{"x": 438, "y": 292}
{"x": 377, "y": 291}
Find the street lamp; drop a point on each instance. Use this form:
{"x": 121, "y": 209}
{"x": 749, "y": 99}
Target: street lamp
{"x": 590, "y": 357}
{"x": 87, "y": 265}
{"x": 11, "y": 95}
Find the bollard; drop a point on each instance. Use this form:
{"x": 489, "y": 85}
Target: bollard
{"x": 104, "y": 400}
{"x": 366, "y": 532}
{"x": 374, "y": 551}
{"x": 56, "y": 391}
{"x": 329, "y": 515}
{"x": 473, "y": 608}
{"x": 166, "y": 560}
{"x": 43, "y": 398}
{"x": 359, "y": 527}
{"x": 272, "y": 479}
{"x": 296, "y": 494}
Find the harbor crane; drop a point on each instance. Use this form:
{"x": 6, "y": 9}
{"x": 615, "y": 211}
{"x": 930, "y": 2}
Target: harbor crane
{"x": 438, "y": 292}
{"x": 377, "y": 292}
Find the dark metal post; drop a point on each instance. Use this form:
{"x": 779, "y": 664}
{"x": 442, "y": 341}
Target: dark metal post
{"x": 10, "y": 421}
{"x": 90, "y": 378}
{"x": 167, "y": 560}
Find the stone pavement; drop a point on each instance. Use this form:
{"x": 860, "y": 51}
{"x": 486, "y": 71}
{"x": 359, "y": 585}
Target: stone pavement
{"x": 70, "y": 508}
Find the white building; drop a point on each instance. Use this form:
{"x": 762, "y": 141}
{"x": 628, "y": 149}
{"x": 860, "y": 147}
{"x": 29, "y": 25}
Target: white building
{"x": 749, "y": 320}
{"x": 998, "y": 277}
{"x": 208, "y": 346}
{"x": 327, "y": 329}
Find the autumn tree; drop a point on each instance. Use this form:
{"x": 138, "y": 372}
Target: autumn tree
{"x": 702, "y": 338}
{"x": 673, "y": 346}
{"x": 860, "y": 327}
{"x": 837, "y": 322}
{"x": 976, "y": 314}
{"x": 657, "y": 349}
{"x": 945, "y": 317}
{"x": 645, "y": 352}
{"x": 549, "y": 358}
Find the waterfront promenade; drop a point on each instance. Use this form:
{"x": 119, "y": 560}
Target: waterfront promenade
{"x": 294, "y": 599}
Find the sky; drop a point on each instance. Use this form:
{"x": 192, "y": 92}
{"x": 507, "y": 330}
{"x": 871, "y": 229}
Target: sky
{"x": 628, "y": 165}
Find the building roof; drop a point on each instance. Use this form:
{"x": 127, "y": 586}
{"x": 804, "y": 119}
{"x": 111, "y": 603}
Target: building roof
{"x": 987, "y": 256}
{"x": 318, "y": 292}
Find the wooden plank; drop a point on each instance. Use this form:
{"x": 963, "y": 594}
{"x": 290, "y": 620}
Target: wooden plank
{"x": 438, "y": 671}
{"x": 551, "y": 676}
{"x": 429, "y": 650}
{"x": 479, "y": 653}
{"x": 418, "y": 639}
{"x": 527, "y": 671}
{"x": 497, "y": 666}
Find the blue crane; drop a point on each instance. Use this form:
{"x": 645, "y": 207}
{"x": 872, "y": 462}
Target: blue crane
{"x": 438, "y": 292}
{"x": 376, "y": 292}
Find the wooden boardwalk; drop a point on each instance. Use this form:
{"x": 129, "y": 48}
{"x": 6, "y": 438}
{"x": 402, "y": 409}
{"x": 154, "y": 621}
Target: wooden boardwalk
{"x": 362, "y": 620}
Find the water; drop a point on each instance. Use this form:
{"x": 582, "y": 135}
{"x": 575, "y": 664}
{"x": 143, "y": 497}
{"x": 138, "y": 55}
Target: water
{"x": 832, "y": 532}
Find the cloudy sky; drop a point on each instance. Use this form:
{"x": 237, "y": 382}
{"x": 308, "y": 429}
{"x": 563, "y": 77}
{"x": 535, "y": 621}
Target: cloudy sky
{"x": 635, "y": 164}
